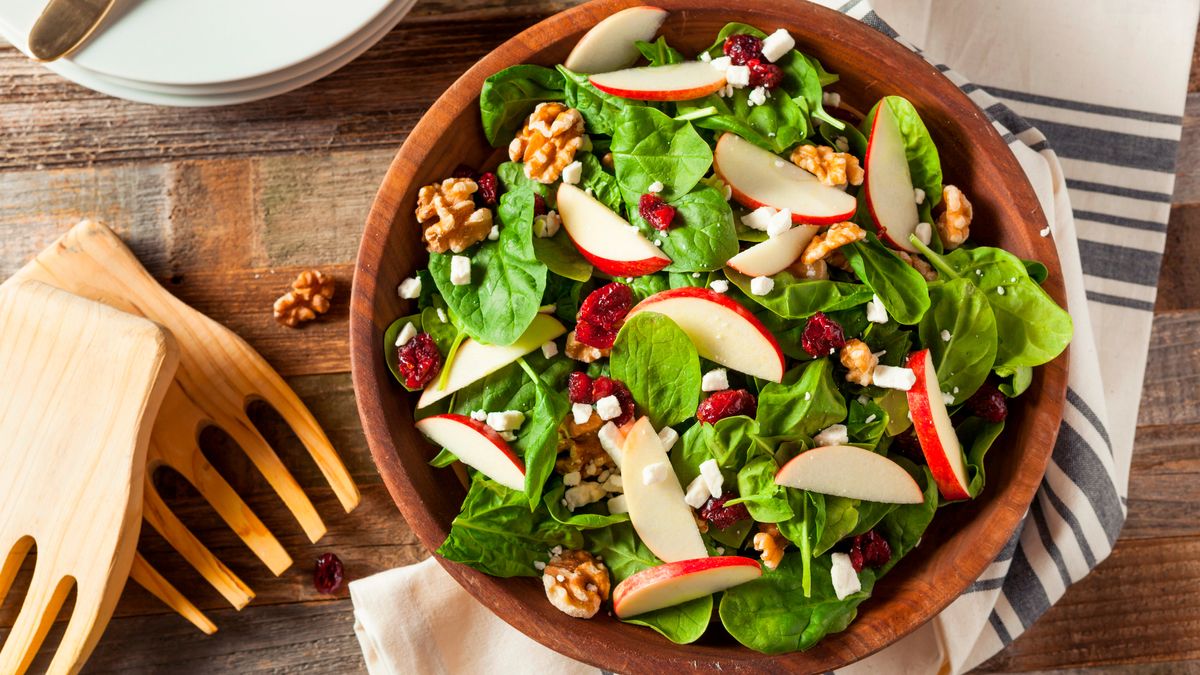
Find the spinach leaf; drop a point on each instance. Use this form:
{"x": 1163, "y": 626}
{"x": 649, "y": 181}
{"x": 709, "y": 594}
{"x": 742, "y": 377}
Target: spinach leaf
{"x": 905, "y": 524}
{"x": 776, "y": 125}
{"x": 648, "y": 146}
{"x": 603, "y": 184}
{"x": 702, "y": 236}
{"x": 647, "y": 285}
{"x": 802, "y": 78}
{"x": 580, "y": 518}
{"x": 600, "y": 110}
{"x": 496, "y": 533}
{"x": 1021, "y": 378}
{"x": 732, "y": 28}
{"x": 922, "y": 154}
{"x": 537, "y": 439}
{"x": 511, "y": 94}
{"x": 841, "y": 519}
{"x": 512, "y": 178}
{"x": 805, "y": 402}
{"x": 902, "y": 290}
{"x": 510, "y": 388}
{"x": 766, "y": 501}
{"x": 1036, "y": 270}
{"x": 961, "y": 312}
{"x": 563, "y": 293}
{"x": 977, "y": 436}
{"x": 795, "y": 298}
{"x": 892, "y": 338}
{"x": 389, "y": 344}
{"x": 731, "y": 441}
{"x": 659, "y": 364}
{"x": 507, "y": 279}
{"x": 866, "y": 424}
{"x": 659, "y": 53}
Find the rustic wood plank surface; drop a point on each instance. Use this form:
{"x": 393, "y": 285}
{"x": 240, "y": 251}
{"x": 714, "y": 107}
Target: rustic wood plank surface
{"x": 225, "y": 205}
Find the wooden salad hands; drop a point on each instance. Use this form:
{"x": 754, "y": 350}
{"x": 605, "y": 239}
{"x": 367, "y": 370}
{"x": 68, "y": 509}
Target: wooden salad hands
{"x": 218, "y": 375}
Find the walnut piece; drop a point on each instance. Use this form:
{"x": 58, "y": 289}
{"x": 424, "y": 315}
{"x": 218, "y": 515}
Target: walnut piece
{"x": 831, "y": 167}
{"x": 857, "y": 356}
{"x": 576, "y": 583}
{"x": 309, "y": 296}
{"x": 548, "y": 141}
{"x": 581, "y": 352}
{"x": 954, "y": 223}
{"x": 583, "y": 452}
{"x": 837, "y": 236}
{"x": 919, "y": 265}
{"x": 770, "y": 543}
{"x": 818, "y": 270}
{"x": 448, "y": 214}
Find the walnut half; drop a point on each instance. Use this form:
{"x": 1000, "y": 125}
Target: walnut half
{"x": 830, "y": 167}
{"x": 857, "y": 356}
{"x": 770, "y": 543}
{"x": 548, "y": 141}
{"x": 576, "y": 583}
{"x": 448, "y": 215}
{"x": 954, "y": 224}
{"x": 826, "y": 243}
{"x": 309, "y": 296}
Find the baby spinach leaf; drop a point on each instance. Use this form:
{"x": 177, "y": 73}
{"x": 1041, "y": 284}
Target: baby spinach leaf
{"x": 1036, "y": 271}
{"x": 496, "y": 533}
{"x": 841, "y": 518}
{"x": 511, "y": 94}
{"x": 1021, "y": 378}
{"x": 659, "y": 53}
{"x": 580, "y": 518}
{"x": 977, "y": 436}
{"x": 510, "y": 388}
{"x": 922, "y": 154}
{"x": 905, "y": 524}
{"x": 902, "y": 290}
{"x": 766, "y": 501}
{"x": 512, "y": 178}
{"x": 563, "y": 293}
{"x": 776, "y": 125}
{"x": 732, "y": 28}
{"x": 854, "y": 139}
{"x": 891, "y": 338}
{"x": 961, "y": 312}
{"x": 649, "y": 147}
{"x": 537, "y": 439}
{"x": 443, "y": 459}
{"x": 507, "y": 279}
{"x": 866, "y": 423}
{"x": 805, "y": 402}
{"x": 659, "y": 364}
{"x": 647, "y": 285}
{"x": 801, "y": 78}
{"x": 602, "y": 183}
{"x": 389, "y": 344}
{"x": 600, "y": 110}
{"x": 796, "y": 298}
{"x": 702, "y": 237}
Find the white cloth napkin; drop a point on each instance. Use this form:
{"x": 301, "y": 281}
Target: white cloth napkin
{"x": 1089, "y": 94}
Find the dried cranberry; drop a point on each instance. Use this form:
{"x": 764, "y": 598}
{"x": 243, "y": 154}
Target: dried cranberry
{"x": 721, "y": 516}
{"x": 908, "y": 445}
{"x": 869, "y": 550}
{"x": 766, "y": 75}
{"x": 727, "y": 403}
{"x": 989, "y": 403}
{"x": 655, "y": 211}
{"x": 328, "y": 574}
{"x": 579, "y": 388}
{"x": 743, "y": 48}
{"x": 821, "y": 335}
{"x": 418, "y": 361}
{"x": 539, "y": 205}
{"x": 489, "y": 188}
{"x": 602, "y": 313}
{"x": 606, "y": 386}
{"x": 463, "y": 171}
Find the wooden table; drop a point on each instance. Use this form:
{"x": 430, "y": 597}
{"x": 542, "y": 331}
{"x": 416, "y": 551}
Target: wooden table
{"x": 226, "y": 205}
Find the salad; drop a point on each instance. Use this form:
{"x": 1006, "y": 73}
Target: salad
{"x": 713, "y": 345}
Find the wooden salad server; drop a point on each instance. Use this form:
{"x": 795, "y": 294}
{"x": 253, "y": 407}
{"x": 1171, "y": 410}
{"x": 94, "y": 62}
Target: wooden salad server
{"x": 218, "y": 375}
{"x": 80, "y": 386}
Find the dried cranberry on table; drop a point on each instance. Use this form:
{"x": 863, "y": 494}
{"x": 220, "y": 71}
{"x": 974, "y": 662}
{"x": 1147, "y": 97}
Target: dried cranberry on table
{"x": 743, "y": 48}
{"x": 418, "y": 361}
{"x": 763, "y": 74}
{"x": 989, "y": 403}
{"x": 655, "y": 211}
{"x": 606, "y": 386}
{"x": 869, "y": 550}
{"x": 822, "y": 335}
{"x": 489, "y": 188}
{"x": 579, "y": 388}
{"x": 602, "y": 313}
{"x": 721, "y": 516}
{"x": 328, "y": 573}
{"x": 727, "y": 403}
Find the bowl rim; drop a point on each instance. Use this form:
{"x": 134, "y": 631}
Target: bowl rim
{"x": 368, "y": 377}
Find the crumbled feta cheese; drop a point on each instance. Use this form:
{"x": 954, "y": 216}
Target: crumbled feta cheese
{"x": 875, "y": 311}
{"x": 410, "y": 288}
{"x": 759, "y": 218}
{"x": 494, "y": 234}
{"x": 582, "y": 412}
{"x": 891, "y": 377}
{"x": 1045, "y": 231}
{"x": 721, "y": 63}
{"x": 442, "y": 315}
{"x": 779, "y": 223}
{"x": 658, "y": 243}
{"x": 505, "y": 421}
{"x": 761, "y": 285}
{"x": 557, "y": 550}
{"x": 842, "y": 144}
{"x": 870, "y": 418}
{"x": 507, "y": 435}
{"x": 720, "y": 286}
{"x": 572, "y": 173}
{"x": 845, "y": 579}
{"x": 697, "y": 493}
{"x": 918, "y": 195}
{"x": 611, "y": 439}
{"x": 608, "y": 408}
{"x": 775, "y": 45}
{"x": 584, "y": 494}
{"x": 572, "y": 479}
{"x": 539, "y": 565}
{"x": 834, "y": 434}
{"x": 946, "y": 336}
{"x": 948, "y": 399}
{"x": 808, "y": 396}
{"x": 956, "y": 390}
{"x": 999, "y": 290}
{"x": 711, "y": 473}
{"x": 924, "y": 232}
{"x": 479, "y": 415}
{"x": 407, "y": 333}
{"x": 668, "y": 436}
{"x": 715, "y": 380}
{"x": 617, "y": 505}
{"x": 612, "y": 483}
{"x": 695, "y": 275}
{"x": 546, "y": 225}
{"x": 737, "y": 76}
{"x": 656, "y": 187}
{"x": 603, "y": 476}
{"x": 758, "y": 96}
{"x": 589, "y": 191}
{"x": 549, "y": 349}
{"x": 831, "y": 99}
{"x": 706, "y": 57}
{"x": 460, "y": 270}
{"x": 655, "y": 473}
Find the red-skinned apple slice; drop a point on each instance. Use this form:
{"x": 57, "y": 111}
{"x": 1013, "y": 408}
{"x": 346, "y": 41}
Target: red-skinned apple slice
{"x": 775, "y": 254}
{"x": 676, "y": 583}
{"x": 606, "y": 239}
{"x": 675, "y": 82}
{"x": 610, "y": 44}
{"x": 931, "y": 421}
{"x": 722, "y": 330}
{"x": 761, "y": 178}
{"x": 887, "y": 181}
{"x": 663, "y": 521}
{"x": 851, "y": 472}
{"x": 476, "y": 445}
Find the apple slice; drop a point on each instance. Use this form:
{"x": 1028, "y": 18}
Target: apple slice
{"x": 934, "y": 430}
{"x": 658, "y": 513}
{"x": 677, "y": 582}
{"x": 475, "y": 360}
{"x": 477, "y": 445}
{"x": 761, "y": 178}
{"x": 887, "y": 181}
{"x": 606, "y": 239}
{"x": 609, "y": 45}
{"x": 851, "y": 472}
{"x": 773, "y": 255}
{"x": 675, "y": 82}
{"x": 722, "y": 330}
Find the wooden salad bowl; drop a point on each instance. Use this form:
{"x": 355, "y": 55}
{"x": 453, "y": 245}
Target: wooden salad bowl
{"x": 963, "y": 539}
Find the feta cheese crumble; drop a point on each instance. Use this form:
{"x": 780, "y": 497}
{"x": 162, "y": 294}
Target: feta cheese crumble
{"x": 655, "y": 473}
{"x": 667, "y": 436}
{"x": 721, "y": 63}
{"x": 407, "y": 333}
{"x": 758, "y": 96}
{"x": 711, "y": 473}
{"x": 891, "y": 377}
{"x": 549, "y": 349}
{"x": 834, "y": 434}
{"x": 946, "y": 336}
{"x": 612, "y": 483}
{"x": 924, "y": 232}
{"x": 759, "y": 219}
{"x": 611, "y": 439}
{"x": 845, "y": 579}
{"x": 494, "y": 234}
{"x": 572, "y": 173}
{"x": 656, "y": 187}
{"x": 1045, "y": 231}
{"x": 505, "y": 421}
{"x": 617, "y": 505}
{"x": 842, "y": 144}
{"x": 697, "y": 493}
{"x": 737, "y": 76}
{"x": 705, "y": 57}
{"x": 410, "y": 289}
{"x": 479, "y": 415}
{"x": 775, "y": 45}
{"x": 460, "y": 270}
{"x": 761, "y": 285}
{"x": 918, "y": 195}
{"x": 875, "y": 311}
{"x": 999, "y": 290}
{"x": 831, "y": 99}
{"x": 715, "y": 380}
{"x": 581, "y": 412}
{"x": 779, "y": 223}
{"x": 948, "y": 398}
{"x": 572, "y": 479}
{"x": 584, "y": 494}
{"x": 608, "y": 408}
{"x": 720, "y": 286}
{"x": 442, "y": 315}
{"x": 546, "y": 225}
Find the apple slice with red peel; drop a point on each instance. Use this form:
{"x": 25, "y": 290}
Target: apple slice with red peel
{"x": 475, "y": 360}
{"x": 610, "y": 44}
{"x": 674, "y": 82}
{"x": 606, "y": 239}
{"x": 931, "y": 421}
{"x": 851, "y": 472}
{"x": 661, "y": 518}
{"x": 677, "y": 582}
{"x": 476, "y": 445}
{"x": 888, "y": 182}
{"x": 761, "y": 178}
{"x": 773, "y": 255}
{"x": 722, "y": 330}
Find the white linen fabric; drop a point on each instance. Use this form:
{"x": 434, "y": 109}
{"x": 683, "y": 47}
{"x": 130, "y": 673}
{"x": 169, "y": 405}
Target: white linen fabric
{"x": 1089, "y": 96}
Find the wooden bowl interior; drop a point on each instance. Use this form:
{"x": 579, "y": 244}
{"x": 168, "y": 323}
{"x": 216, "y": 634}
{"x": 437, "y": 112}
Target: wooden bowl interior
{"x": 963, "y": 540}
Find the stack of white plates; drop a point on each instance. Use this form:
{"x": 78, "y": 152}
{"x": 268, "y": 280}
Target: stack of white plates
{"x": 213, "y": 52}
